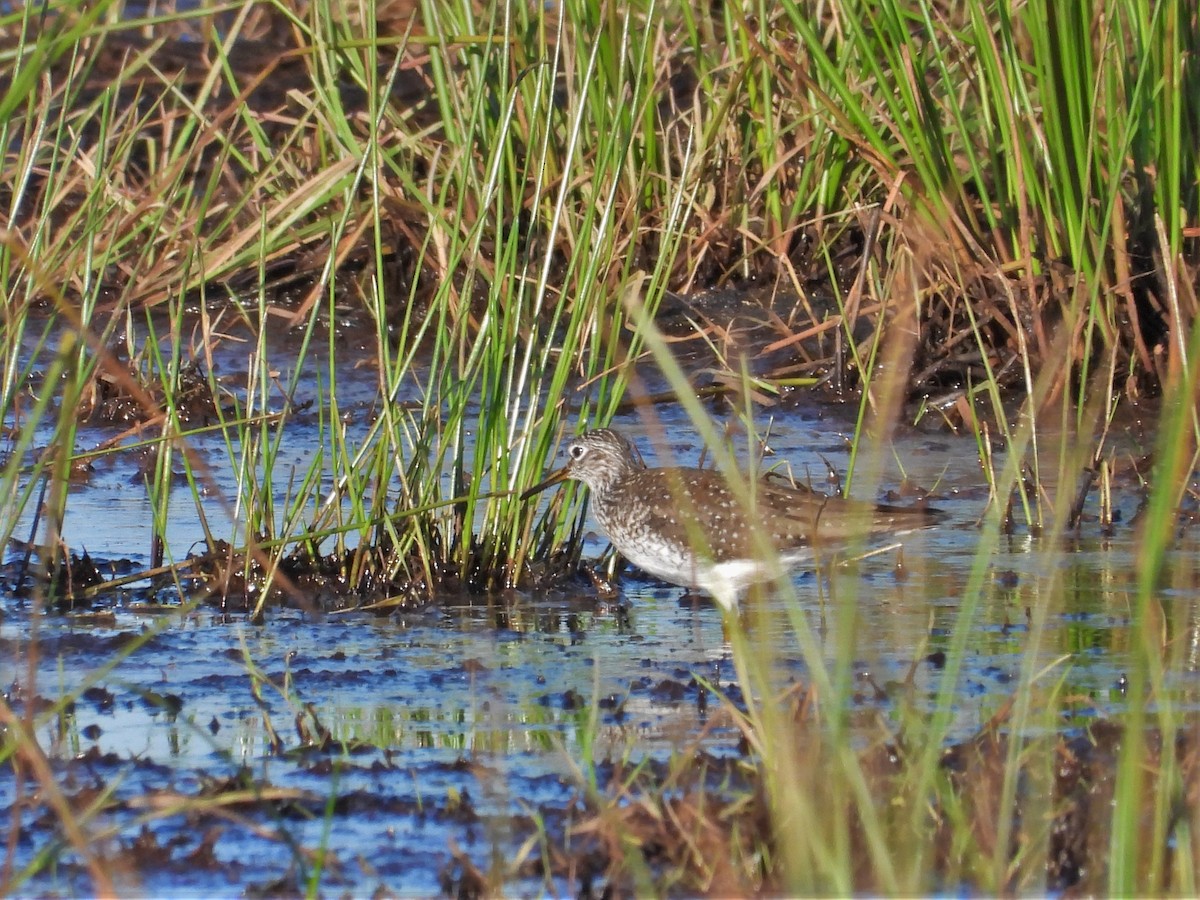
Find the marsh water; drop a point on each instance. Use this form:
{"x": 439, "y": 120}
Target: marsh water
{"x": 409, "y": 747}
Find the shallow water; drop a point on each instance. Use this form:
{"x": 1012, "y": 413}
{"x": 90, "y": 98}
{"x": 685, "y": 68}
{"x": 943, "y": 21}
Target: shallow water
{"x": 462, "y": 725}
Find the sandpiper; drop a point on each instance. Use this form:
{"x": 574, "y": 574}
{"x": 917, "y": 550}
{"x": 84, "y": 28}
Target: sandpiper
{"x": 686, "y": 526}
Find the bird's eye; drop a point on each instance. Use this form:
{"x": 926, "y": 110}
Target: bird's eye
{"x": 577, "y": 451}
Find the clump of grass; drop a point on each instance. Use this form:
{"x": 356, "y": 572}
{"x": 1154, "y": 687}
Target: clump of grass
{"x": 514, "y": 202}
{"x": 713, "y": 825}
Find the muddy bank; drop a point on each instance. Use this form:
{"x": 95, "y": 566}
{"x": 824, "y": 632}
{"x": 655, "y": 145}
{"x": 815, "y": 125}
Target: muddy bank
{"x": 449, "y": 753}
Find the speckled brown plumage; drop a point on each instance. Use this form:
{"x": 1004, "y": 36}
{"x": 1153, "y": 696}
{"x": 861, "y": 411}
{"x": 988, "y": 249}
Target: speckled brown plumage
{"x": 686, "y": 526}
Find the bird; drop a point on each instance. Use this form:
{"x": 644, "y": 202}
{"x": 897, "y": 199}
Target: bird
{"x": 688, "y": 527}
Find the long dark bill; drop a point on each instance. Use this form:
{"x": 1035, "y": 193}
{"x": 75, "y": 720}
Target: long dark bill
{"x": 555, "y": 478}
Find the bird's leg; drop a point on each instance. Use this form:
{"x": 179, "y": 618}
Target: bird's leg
{"x": 604, "y": 576}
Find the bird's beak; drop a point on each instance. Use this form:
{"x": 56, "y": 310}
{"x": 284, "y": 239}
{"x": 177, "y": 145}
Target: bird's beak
{"x": 555, "y": 478}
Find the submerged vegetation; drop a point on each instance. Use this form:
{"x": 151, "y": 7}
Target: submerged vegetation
{"x": 526, "y": 216}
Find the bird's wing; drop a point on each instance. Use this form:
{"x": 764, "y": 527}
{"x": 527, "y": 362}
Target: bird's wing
{"x": 813, "y": 517}
{"x": 696, "y": 508}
